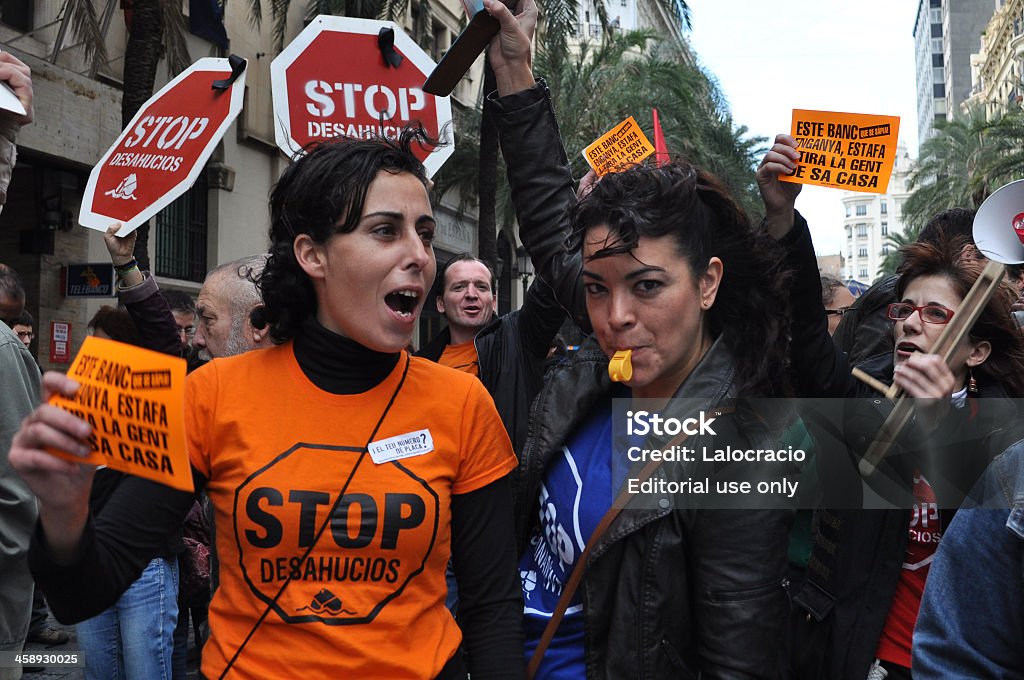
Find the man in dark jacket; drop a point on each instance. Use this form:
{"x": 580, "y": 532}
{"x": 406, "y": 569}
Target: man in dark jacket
{"x": 507, "y": 353}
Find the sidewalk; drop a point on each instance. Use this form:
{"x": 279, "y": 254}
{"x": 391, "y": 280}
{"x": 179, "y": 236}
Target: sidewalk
{"x": 79, "y": 673}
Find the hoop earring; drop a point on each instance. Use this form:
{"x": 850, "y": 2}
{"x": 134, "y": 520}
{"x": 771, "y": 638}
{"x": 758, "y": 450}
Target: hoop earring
{"x": 972, "y": 384}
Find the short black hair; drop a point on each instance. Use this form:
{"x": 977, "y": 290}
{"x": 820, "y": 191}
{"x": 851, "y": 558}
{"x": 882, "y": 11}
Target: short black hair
{"x": 320, "y": 194}
{"x": 948, "y": 225}
{"x": 179, "y": 301}
{"x": 464, "y": 257}
{"x": 25, "y": 319}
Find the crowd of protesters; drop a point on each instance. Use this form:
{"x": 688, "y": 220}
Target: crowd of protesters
{"x": 499, "y": 542}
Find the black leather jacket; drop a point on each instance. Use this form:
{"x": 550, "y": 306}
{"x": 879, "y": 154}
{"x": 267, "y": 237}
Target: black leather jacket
{"x": 511, "y": 351}
{"x": 856, "y": 560}
{"x": 668, "y": 593}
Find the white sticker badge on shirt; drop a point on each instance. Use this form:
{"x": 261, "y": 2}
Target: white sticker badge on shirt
{"x": 403, "y": 446}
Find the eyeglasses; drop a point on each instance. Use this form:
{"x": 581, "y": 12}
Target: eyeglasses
{"x": 901, "y": 311}
{"x": 26, "y": 335}
{"x": 188, "y": 331}
{"x": 838, "y": 312}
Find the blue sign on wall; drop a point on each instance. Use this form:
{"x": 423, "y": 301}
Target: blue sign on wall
{"x": 88, "y": 280}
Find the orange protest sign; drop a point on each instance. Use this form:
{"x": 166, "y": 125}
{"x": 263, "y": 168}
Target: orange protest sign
{"x": 135, "y": 401}
{"x": 622, "y": 146}
{"x": 853, "y": 151}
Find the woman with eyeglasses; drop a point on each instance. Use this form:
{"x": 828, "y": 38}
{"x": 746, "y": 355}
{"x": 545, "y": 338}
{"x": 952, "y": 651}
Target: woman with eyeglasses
{"x": 854, "y": 618}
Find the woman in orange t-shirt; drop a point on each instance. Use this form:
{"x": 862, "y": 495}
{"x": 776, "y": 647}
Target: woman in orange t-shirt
{"x": 344, "y": 473}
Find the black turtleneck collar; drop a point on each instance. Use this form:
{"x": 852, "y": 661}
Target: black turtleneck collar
{"x": 337, "y": 364}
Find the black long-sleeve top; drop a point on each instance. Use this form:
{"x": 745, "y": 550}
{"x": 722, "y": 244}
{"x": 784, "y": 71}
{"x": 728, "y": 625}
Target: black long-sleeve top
{"x": 133, "y": 525}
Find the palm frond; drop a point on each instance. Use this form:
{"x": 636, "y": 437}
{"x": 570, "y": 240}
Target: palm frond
{"x": 175, "y": 32}
{"x": 86, "y": 27}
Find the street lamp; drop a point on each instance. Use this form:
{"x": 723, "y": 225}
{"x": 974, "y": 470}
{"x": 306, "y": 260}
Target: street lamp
{"x": 524, "y": 268}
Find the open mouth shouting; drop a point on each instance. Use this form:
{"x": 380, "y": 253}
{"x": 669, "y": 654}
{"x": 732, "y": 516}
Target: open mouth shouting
{"x": 404, "y": 302}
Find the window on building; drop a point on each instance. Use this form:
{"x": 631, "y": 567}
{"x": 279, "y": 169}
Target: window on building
{"x": 885, "y": 228}
{"x": 936, "y": 45}
{"x": 862, "y": 210}
{"x": 938, "y": 75}
{"x": 939, "y": 90}
{"x": 862, "y": 252}
{"x": 884, "y": 209}
{"x": 936, "y": 15}
{"x": 863, "y": 272}
{"x": 885, "y": 249}
{"x": 181, "y": 235}
{"x": 937, "y": 31}
{"x": 440, "y": 41}
{"x": 862, "y": 230}
{"x": 17, "y": 14}
{"x": 847, "y": 211}
{"x": 937, "y": 61}
{"x": 623, "y": 3}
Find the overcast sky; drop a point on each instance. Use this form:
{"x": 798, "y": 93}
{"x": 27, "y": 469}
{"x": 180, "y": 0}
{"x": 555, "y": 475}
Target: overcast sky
{"x": 775, "y": 56}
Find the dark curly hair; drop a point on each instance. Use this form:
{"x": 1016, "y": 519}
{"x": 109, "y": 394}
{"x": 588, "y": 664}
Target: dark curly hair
{"x": 750, "y": 312}
{"x": 321, "y": 194}
{"x": 948, "y": 258}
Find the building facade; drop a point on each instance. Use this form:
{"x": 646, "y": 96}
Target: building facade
{"x": 665, "y": 19}
{"x": 997, "y": 70}
{"x": 870, "y": 219}
{"x": 78, "y": 115}
{"x": 946, "y": 33}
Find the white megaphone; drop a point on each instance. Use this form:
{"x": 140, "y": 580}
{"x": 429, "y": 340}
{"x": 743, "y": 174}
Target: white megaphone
{"x": 999, "y": 224}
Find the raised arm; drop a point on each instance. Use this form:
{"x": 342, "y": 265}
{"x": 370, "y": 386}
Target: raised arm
{"x": 819, "y": 367}
{"x": 140, "y": 295}
{"x": 538, "y": 169}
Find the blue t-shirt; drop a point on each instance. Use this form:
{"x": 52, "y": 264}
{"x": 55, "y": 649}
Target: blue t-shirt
{"x": 574, "y": 496}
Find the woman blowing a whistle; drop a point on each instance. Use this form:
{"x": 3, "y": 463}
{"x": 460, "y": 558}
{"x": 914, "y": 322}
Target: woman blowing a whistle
{"x": 671, "y": 271}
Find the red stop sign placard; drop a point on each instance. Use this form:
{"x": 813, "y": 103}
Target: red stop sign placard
{"x": 332, "y": 81}
{"x": 162, "y": 151}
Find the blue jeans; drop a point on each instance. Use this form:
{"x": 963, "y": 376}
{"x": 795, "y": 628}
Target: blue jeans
{"x": 133, "y": 639}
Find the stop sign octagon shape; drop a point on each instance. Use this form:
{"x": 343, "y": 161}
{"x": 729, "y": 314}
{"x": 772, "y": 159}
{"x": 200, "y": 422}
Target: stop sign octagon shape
{"x": 332, "y": 81}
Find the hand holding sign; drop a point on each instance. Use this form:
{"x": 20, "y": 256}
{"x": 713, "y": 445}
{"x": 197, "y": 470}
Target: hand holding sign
{"x": 61, "y": 485}
{"x": 17, "y": 91}
{"x": 778, "y": 197}
{"x": 851, "y": 151}
{"x": 133, "y": 401}
{"x": 510, "y": 52}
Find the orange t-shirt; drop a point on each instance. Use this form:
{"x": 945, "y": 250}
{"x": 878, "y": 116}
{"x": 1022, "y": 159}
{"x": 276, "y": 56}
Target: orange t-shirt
{"x": 461, "y": 358}
{"x": 368, "y": 601}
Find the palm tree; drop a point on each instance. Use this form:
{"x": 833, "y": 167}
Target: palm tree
{"x": 964, "y": 162}
{"x": 892, "y": 257}
{"x": 602, "y": 84}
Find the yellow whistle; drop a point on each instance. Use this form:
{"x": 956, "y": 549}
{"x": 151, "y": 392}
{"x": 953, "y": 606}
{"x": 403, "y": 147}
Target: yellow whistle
{"x": 620, "y": 368}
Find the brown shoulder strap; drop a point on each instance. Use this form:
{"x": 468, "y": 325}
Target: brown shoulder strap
{"x": 577, "y": 572}
{"x": 577, "y": 575}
